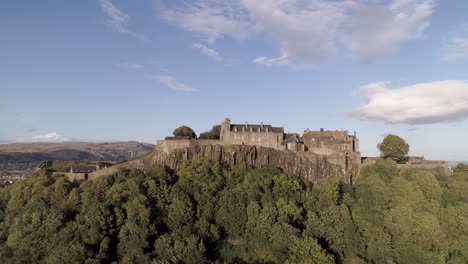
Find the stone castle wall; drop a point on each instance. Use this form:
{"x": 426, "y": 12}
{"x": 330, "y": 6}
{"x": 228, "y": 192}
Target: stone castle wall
{"x": 437, "y": 167}
{"x": 330, "y": 142}
{"x": 168, "y": 146}
{"x": 257, "y": 135}
{"x": 265, "y": 139}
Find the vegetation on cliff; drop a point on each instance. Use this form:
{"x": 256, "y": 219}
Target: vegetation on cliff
{"x": 394, "y": 147}
{"x": 208, "y": 214}
{"x": 184, "y": 131}
{"x": 214, "y": 133}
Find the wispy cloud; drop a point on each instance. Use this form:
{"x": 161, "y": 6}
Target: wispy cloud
{"x": 130, "y": 65}
{"x": 173, "y": 84}
{"x": 456, "y": 47}
{"x": 48, "y": 137}
{"x": 119, "y": 20}
{"x": 207, "y": 51}
{"x": 379, "y": 29}
{"x": 210, "y": 19}
{"x": 265, "y": 61}
{"x": 308, "y": 32}
{"x": 422, "y": 103}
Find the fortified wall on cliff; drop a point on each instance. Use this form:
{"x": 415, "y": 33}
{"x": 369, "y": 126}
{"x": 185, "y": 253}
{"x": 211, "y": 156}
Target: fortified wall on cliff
{"x": 326, "y": 149}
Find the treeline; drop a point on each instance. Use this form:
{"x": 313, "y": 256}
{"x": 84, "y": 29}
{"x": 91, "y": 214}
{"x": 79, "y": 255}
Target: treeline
{"x": 207, "y": 214}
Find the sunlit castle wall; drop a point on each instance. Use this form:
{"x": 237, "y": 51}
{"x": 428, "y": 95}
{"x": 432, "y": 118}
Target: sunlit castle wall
{"x": 255, "y": 135}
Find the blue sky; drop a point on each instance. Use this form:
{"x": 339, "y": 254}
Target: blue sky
{"x": 108, "y": 70}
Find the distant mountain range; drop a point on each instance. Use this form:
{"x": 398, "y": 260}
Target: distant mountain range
{"x": 36, "y": 152}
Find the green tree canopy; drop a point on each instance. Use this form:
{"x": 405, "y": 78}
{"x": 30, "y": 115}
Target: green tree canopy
{"x": 184, "y": 131}
{"x": 393, "y": 147}
{"x": 212, "y": 134}
{"x": 207, "y": 213}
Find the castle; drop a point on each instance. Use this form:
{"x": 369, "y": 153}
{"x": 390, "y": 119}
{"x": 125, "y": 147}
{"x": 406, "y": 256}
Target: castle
{"x": 338, "y": 147}
{"x": 319, "y": 142}
{"x": 314, "y": 155}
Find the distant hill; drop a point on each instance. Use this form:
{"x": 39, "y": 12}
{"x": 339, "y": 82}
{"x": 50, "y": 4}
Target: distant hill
{"x": 455, "y": 163}
{"x": 34, "y": 152}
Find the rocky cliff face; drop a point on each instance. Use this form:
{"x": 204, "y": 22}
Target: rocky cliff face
{"x": 308, "y": 165}
{"x": 311, "y": 166}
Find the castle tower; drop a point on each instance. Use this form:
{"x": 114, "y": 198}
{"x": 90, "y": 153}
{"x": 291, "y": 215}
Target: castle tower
{"x": 225, "y": 129}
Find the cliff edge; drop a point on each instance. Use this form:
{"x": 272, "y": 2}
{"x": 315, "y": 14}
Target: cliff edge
{"x": 310, "y": 166}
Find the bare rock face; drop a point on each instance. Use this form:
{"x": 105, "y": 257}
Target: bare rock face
{"x": 311, "y": 166}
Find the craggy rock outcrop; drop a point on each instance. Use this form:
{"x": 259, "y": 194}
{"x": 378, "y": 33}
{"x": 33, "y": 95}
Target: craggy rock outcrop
{"x": 308, "y": 165}
{"x": 311, "y": 166}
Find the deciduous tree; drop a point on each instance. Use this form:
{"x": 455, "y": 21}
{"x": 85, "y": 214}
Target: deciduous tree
{"x": 184, "y": 131}
{"x": 393, "y": 147}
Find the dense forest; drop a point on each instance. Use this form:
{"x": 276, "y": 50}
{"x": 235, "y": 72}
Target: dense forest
{"x": 208, "y": 214}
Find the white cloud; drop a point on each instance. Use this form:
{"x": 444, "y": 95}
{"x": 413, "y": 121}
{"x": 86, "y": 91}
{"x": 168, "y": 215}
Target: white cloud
{"x": 283, "y": 60}
{"x": 118, "y": 19}
{"x": 378, "y": 30}
{"x": 210, "y": 19}
{"x": 456, "y": 47}
{"x": 208, "y": 51}
{"x": 172, "y": 83}
{"x": 48, "y": 137}
{"x": 308, "y": 32}
{"x": 422, "y": 103}
{"x": 130, "y": 65}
